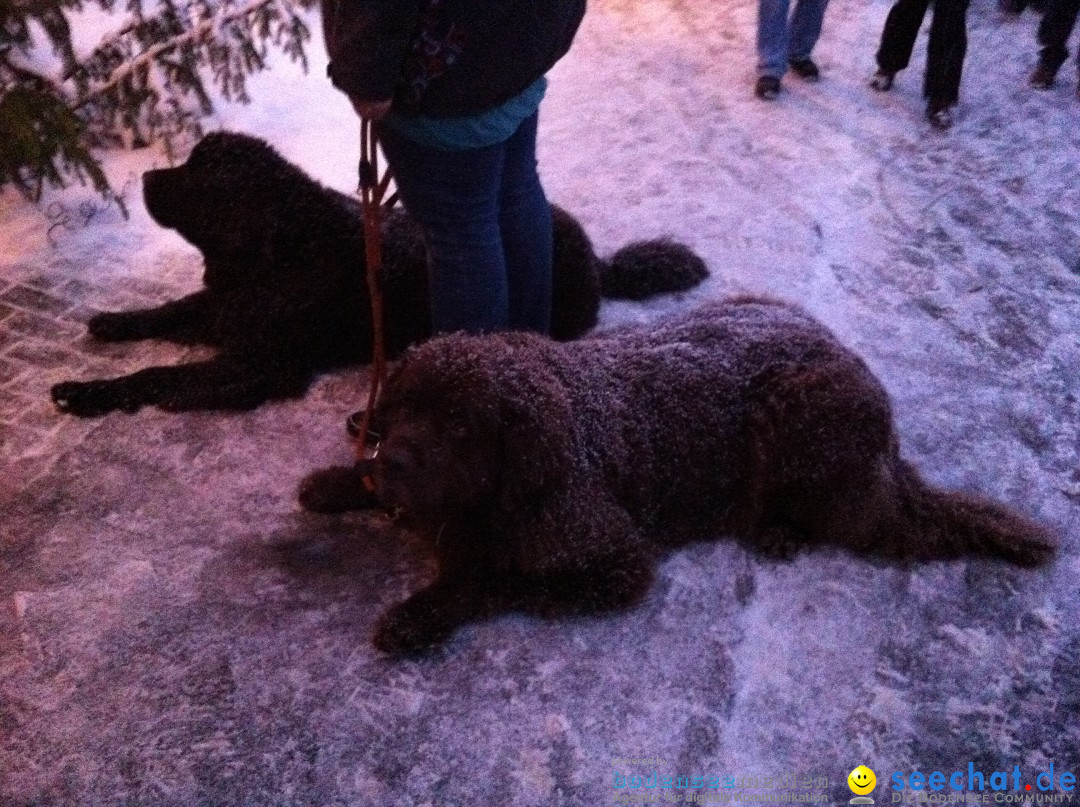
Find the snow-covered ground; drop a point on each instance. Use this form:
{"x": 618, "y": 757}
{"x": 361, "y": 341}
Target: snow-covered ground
{"x": 156, "y": 652}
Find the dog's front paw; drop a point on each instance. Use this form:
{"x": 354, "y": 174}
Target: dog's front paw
{"x": 335, "y": 490}
{"x": 412, "y": 627}
{"x": 87, "y": 398}
{"x": 114, "y": 327}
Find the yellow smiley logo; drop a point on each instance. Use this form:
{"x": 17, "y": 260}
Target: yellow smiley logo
{"x": 861, "y": 780}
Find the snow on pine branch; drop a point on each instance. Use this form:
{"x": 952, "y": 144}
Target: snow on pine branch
{"x": 151, "y": 77}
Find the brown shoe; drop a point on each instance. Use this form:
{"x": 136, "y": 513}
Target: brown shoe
{"x": 882, "y": 80}
{"x": 1042, "y": 77}
{"x": 940, "y": 115}
{"x": 767, "y": 88}
{"x": 805, "y": 69}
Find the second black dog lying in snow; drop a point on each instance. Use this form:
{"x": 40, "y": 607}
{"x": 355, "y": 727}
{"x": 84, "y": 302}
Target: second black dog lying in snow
{"x": 550, "y": 476}
{"x": 285, "y": 293}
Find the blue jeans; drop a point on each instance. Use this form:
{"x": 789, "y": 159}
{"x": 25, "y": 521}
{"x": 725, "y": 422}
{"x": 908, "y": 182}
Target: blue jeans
{"x": 487, "y": 227}
{"x": 779, "y": 40}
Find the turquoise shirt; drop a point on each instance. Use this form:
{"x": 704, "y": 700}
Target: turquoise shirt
{"x": 472, "y": 131}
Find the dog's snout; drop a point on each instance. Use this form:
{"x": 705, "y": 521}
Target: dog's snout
{"x": 152, "y": 192}
{"x": 152, "y": 181}
{"x": 157, "y": 185}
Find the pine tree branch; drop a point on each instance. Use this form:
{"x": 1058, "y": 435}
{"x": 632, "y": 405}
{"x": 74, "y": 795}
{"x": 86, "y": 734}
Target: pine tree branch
{"x": 143, "y": 82}
{"x": 193, "y": 36}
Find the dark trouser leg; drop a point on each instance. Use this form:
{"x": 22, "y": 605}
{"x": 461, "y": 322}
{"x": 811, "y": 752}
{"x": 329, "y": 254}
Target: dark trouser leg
{"x": 454, "y": 195}
{"x": 898, "y": 36}
{"x": 946, "y": 51}
{"x": 1054, "y": 30}
{"x": 525, "y": 226}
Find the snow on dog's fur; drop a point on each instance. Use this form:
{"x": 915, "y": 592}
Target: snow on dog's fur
{"x": 550, "y": 475}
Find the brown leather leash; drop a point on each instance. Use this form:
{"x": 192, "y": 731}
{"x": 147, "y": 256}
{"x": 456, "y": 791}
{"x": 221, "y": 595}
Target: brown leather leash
{"x": 373, "y": 199}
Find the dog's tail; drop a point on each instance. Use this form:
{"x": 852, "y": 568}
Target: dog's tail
{"x": 942, "y": 524}
{"x": 647, "y": 268}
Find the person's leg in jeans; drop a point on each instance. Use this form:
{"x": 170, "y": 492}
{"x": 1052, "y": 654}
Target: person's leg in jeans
{"x": 525, "y": 225}
{"x": 898, "y": 36}
{"x": 945, "y": 53}
{"x": 772, "y": 37}
{"x": 805, "y": 28}
{"x": 454, "y": 196}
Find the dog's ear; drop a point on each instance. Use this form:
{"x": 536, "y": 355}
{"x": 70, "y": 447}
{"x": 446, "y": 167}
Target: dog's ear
{"x": 250, "y": 235}
{"x": 537, "y": 438}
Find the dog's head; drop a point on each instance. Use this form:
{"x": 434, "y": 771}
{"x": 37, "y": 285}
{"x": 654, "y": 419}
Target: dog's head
{"x": 224, "y": 196}
{"x": 471, "y": 423}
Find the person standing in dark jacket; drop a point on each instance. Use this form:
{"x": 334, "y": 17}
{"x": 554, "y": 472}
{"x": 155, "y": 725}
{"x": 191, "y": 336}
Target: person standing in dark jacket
{"x": 1059, "y": 19}
{"x": 455, "y": 86}
{"x": 944, "y": 56}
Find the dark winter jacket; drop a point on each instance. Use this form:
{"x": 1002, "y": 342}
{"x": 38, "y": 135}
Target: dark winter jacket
{"x": 445, "y": 58}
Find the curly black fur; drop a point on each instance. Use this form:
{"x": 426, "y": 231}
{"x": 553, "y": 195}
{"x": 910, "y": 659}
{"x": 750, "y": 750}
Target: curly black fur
{"x": 632, "y": 271}
{"x": 285, "y": 293}
{"x": 550, "y": 475}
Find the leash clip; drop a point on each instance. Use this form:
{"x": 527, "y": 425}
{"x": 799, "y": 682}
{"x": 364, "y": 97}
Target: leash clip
{"x": 367, "y": 175}
{"x": 366, "y": 463}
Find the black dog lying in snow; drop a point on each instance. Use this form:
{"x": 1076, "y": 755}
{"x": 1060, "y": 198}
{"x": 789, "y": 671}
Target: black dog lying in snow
{"x": 285, "y": 292}
{"x": 549, "y": 476}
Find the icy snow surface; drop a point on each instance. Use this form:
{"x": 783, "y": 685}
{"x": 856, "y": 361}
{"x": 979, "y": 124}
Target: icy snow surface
{"x": 155, "y": 649}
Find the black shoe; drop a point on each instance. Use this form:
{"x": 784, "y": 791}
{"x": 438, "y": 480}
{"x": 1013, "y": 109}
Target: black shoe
{"x": 882, "y": 80}
{"x": 940, "y": 114}
{"x": 1042, "y": 77}
{"x": 767, "y": 88}
{"x": 805, "y": 69}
